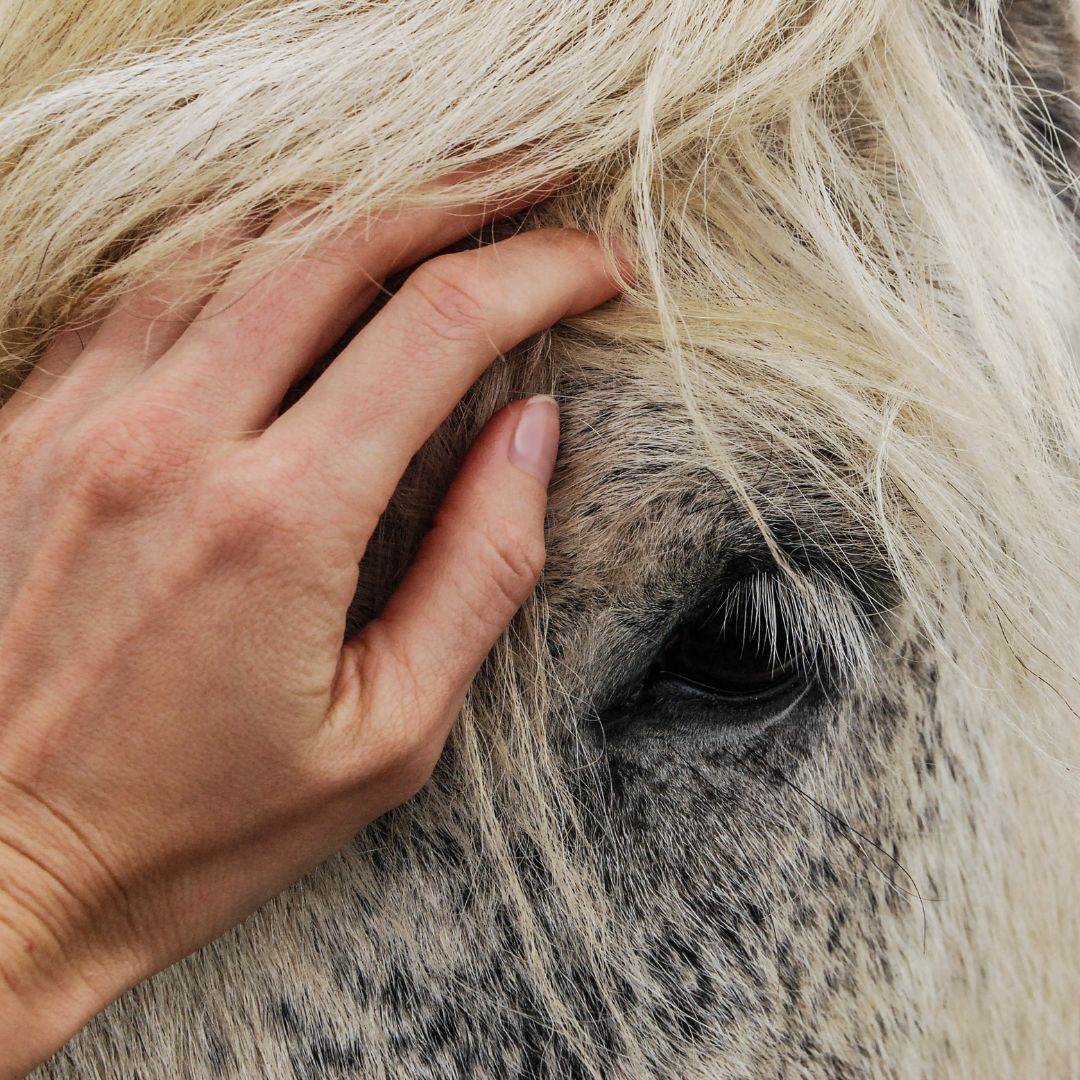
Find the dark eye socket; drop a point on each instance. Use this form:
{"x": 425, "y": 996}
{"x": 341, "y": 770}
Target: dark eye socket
{"x": 726, "y": 654}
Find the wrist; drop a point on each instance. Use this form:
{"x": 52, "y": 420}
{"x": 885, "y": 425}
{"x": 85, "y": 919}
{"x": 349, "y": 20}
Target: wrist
{"x": 60, "y": 960}
{"x": 41, "y": 1006}
{"x": 52, "y": 981}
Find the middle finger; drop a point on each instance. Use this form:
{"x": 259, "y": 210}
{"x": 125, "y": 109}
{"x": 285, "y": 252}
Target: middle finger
{"x": 262, "y": 330}
{"x": 370, "y": 411}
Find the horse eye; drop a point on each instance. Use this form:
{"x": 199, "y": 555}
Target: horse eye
{"x": 730, "y": 656}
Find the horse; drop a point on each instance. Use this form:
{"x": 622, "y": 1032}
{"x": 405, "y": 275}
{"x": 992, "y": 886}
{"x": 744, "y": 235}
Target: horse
{"x": 774, "y": 775}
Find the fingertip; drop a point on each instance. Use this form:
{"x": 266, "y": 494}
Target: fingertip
{"x": 626, "y": 260}
{"x": 611, "y": 265}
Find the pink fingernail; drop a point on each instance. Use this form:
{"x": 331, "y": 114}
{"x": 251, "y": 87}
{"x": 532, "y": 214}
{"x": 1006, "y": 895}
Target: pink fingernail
{"x": 536, "y": 438}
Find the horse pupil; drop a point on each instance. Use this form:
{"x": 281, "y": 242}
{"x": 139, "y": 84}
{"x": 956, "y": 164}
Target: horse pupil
{"x": 726, "y": 654}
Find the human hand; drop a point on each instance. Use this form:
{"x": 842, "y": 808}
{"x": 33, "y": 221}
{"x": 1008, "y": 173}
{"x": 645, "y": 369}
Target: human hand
{"x": 183, "y": 733}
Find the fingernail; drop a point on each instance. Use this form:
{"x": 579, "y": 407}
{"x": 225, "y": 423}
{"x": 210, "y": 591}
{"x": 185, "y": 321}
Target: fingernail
{"x": 536, "y": 438}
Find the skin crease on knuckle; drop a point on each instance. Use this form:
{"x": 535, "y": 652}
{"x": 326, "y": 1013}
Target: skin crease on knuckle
{"x": 399, "y": 746}
{"x": 250, "y": 500}
{"x": 445, "y": 299}
{"x": 505, "y": 565}
{"x": 717, "y": 807}
{"x": 121, "y": 458}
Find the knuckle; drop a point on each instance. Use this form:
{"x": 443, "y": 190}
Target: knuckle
{"x": 411, "y": 759}
{"x": 254, "y": 497}
{"x": 413, "y": 731}
{"x": 449, "y": 297}
{"x": 124, "y": 458}
{"x": 512, "y": 564}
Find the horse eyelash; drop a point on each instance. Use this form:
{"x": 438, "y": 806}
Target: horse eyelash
{"x": 826, "y": 632}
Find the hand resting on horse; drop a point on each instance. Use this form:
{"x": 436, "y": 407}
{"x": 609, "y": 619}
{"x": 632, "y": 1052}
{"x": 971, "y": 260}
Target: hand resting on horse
{"x": 183, "y": 732}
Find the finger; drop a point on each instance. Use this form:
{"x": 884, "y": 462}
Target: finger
{"x": 48, "y": 380}
{"x": 50, "y": 371}
{"x": 150, "y": 319}
{"x": 369, "y": 412}
{"x": 476, "y": 567}
{"x": 265, "y": 328}
{"x": 105, "y": 353}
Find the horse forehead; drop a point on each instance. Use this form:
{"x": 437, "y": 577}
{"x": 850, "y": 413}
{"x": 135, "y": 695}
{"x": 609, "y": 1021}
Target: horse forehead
{"x": 640, "y": 494}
